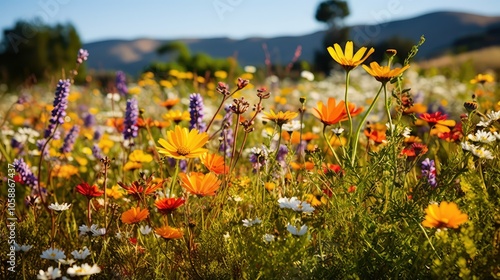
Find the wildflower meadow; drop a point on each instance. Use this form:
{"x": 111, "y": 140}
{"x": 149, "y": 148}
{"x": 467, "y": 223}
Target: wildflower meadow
{"x": 377, "y": 171}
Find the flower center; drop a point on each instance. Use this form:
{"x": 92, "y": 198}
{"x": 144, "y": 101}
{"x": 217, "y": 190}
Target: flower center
{"x": 183, "y": 150}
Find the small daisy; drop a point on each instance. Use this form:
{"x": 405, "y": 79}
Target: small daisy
{"x": 59, "y": 207}
{"x": 51, "y": 273}
{"x": 97, "y": 231}
{"x": 337, "y": 131}
{"x": 69, "y": 262}
{"x": 466, "y": 146}
{"x": 250, "y": 222}
{"x": 145, "y": 230}
{"x": 482, "y": 136}
{"x": 482, "y": 153}
{"x": 406, "y": 132}
{"x": 289, "y": 203}
{"x": 53, "y": 254}
{"x": 23, "y": 248}
{"x": 295, "y": 231}
{"x": 292, "y": 126}
{"x": 83, "y": 270}
{"x": 268, "y": 237}
{"x": 82, "y": 254}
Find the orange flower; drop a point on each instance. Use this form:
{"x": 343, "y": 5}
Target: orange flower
{"x": 334, "y": 113}
{"x": 134, "y": 215}
{"x": 169, "y": 103}
{"x": 384, "y": 74}
{"x": 214, "y": 163}
{"x": 116, "y": 123}
{"x": 482, "y": 78}
{"x": 169, "y": 232}
{"x": 151, "y": 123}
{"x": 438, "y": 122}
{"x": 280, "y": 118}
{"x": 89, "y": 191}
{"x": 168, "y": 205}
{"x": 376, "y": 134}
{"x": 415, "y": 149}
{"x": 138, "y": 189}
{"x": 200, "y": 184}
{"x": 181, "y": 143}
{"x": 446, "y": 215}
{"x": 347, "y": 60}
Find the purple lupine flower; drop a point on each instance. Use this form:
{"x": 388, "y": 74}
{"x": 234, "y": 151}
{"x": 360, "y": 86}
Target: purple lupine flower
{"x": 130, "y": 122}
{"x": 121, "y": 83}
{"x": 429, "y": 172}
{"x": 60, "y": 105}
{"x": 97, "y": 135}
{"x": 69, "y": 140}
{"x": 24, "y": 171}
{"x": 89, "y": 120}
{"x": 97, "y": 152}
{"x": 82, "y": 56}
{"x": 227, "y": 132}
{"x": 281, "y": 156}
{"x": 16, "y": 144}
{"x": 196, "y": 112}
{"x": 258, "y": 157}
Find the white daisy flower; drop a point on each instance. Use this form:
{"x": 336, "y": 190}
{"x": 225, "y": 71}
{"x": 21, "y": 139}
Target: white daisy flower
{"x": 83, "y": 270}
{"x": 66, "y": 262}
{"x": 53, "y": 254}
{"x": 51, "y": 273}
{"x": 82, "y": 254}
{"x": 84, "y": 229}
{"x": 23, "y": 248}
{"x": 268, "y": 237}
{"x": 145, "y": 230}
{"x": 337, "y": 131}
{"x": 466, "y": 146}
{"x": 289, "y": 203}
{"x": 307, "y": 75}
{"x": 292, "y": 126}
{"x": 482, "y": 136}
{"x": 97, "y": 231}
{"x": 250, "y": 69}
{"x": 482, "y": 153}
{"x": 250, "y": 222}
{"x": 59, "y": 207}
{"x": 295, "y": 231}
{"x": 406, "y": 132}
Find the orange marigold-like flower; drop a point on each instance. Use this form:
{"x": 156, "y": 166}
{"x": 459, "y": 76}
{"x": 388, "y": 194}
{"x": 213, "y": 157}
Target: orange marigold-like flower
{"x": 384, "y": 74}
{"x": 168, "y": 205}
{"x": 415, "y": 149}
{"x": 89, "y": 191}
{"x": 181, "y": 143}
{"x": 347, "y": 59}
{"x": 200, "y": 184}
{"x": 134, "y": 215}
{"x": 445, "y": 215}
{"x": 334, "y": 113}
{"x": 169, "y": 103}
{"x": 280, "y": 118}
{"x": 138, "y": 189}
{"x": 169, "y": 232}
{"x": 214, "y": 163}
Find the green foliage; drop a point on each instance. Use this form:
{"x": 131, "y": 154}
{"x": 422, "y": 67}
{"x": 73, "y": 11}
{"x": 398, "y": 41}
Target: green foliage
{"x": 34, "y": 52}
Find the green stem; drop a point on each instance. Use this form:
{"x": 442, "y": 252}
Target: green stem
{"x": 388, "y": 109}
{"x": 360, "y": 125}
{"x": 347, "y": 76}
{"x": 174, "y": 178}
{"x": 330, "y": 145}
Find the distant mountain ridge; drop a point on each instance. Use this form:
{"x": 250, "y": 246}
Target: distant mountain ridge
{"x": 441, "y": 30}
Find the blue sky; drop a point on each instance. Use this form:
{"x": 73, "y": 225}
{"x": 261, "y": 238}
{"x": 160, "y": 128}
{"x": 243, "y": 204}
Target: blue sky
{"x": 162, "y": 19}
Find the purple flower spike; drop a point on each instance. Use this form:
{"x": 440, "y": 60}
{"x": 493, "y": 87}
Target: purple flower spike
{"x": 24, "y": 171}
{"x": 60, "y": 105}
{"x": 429, "y": 172}
{"x": 131, "y": 115}
{"x": 70, "y": 139}
{"x": 82, "y": 56}
{"x": 121, "y": 83}
{"x": 196, "y": 112}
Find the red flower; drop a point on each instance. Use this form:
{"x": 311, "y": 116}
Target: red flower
{"x": 89, "y": 191}
{"x": 331, "y": 169}
{"x": 454, "y": 135}
{"x": 168, "y": 205}
{"x": 138, "y": 189}
{"x": 414, "y": 150}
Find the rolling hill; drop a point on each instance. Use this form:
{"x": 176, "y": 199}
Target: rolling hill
{"x": 441, "y": 29}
